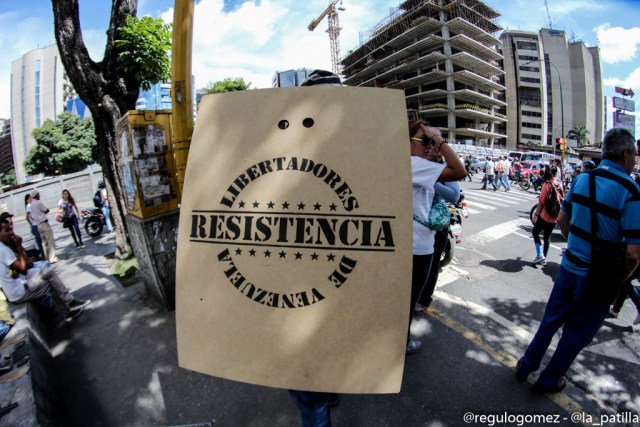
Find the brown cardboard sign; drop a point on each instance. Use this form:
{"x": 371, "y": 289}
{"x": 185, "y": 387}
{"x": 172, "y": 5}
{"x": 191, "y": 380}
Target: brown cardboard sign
{"x": 294, "y": 246}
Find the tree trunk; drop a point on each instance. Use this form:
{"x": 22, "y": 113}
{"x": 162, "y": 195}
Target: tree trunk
{"x": 108, "y": 92}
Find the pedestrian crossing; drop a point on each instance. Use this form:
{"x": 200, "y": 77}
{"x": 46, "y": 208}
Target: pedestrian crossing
{"x": 479, "y": 200}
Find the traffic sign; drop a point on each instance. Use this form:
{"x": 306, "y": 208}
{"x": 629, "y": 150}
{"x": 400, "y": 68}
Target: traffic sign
{"x": 624, "y": 104}
{"x": 624, "y": 92}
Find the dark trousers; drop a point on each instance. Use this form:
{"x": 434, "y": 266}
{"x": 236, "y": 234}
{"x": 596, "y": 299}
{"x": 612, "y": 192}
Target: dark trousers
{"x": 580, "y": 320}
{"x": 426, "y": 297}
{"x": 627, "y": 290}
{"x": 547, "y": 229}
{"x": 72, "y": 225}
{"x": 313, "y": 406}
{"x": 420, "y": 272}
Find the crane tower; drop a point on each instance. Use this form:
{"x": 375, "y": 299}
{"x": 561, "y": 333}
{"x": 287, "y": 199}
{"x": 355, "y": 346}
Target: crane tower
{"x": 331, "y": 12}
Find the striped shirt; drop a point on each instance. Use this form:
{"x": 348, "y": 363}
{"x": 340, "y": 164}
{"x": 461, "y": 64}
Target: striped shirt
{"x": 618, "y": 206}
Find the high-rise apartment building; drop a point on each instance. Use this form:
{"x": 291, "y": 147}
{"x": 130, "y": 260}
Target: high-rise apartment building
{"x": 290, "y": 78}
{"x": 6, "y": 154}
{"x": 444, "y": 55}
{"x": 553, "y": 85}
{"x": 158, "y": 97}
{"x": 39, "y": 89}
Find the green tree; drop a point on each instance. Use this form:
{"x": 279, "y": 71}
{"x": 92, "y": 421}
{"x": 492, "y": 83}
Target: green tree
{"x": 143, "y": 44}
{"x": 579, "y": 133}
{"x": 227, "y": 85}
{"x": 110, "y": 87}
{"x": 10, "y": 178}
{"x": 63, "y": 146}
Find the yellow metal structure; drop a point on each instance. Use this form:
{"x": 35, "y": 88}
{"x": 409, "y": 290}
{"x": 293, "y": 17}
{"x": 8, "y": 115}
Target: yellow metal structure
{"x": 145, "y": 161}
{"x": 182, "y": 87}
{"x": 331, "y": 12}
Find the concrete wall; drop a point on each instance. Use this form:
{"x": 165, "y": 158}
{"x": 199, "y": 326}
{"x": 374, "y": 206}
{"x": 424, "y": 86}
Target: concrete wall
{"x": 81, "y": 185}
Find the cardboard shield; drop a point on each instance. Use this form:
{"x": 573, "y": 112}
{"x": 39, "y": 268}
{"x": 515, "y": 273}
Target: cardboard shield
{"x": 295, "y": 237}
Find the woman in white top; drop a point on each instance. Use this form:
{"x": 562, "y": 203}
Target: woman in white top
{"x": 34, "y": 225}
{"x": 67, "y": 206}
{"x": 425, "y": 174}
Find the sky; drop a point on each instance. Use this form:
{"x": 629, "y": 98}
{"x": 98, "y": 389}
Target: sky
{"x": 253, "y": 39}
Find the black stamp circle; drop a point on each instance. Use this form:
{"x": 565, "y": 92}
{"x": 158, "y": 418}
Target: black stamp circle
{"x": 283, "y": 124}
{"x": 308, "y": 122}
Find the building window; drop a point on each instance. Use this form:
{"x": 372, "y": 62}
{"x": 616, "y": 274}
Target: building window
{"x": 532, "y": 113}
{"x": 37, "y": 93}
{"x": 529, "y": 96}
{"x": 529, "y": 80}
{"x": 527, "y": 45}
{"x": 531, "y": 125}
{"x": 533, "y": 69}
{"x": 530, "y": 136}
{"x": 528, "y": 58}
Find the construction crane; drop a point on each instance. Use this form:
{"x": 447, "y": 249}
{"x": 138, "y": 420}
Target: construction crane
{"x": 548, "y": 15}
{"x": 331, "y": 12}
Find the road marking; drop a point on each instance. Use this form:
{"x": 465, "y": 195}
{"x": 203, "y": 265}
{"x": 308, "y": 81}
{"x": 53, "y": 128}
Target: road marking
{"x": 479, "y": 205}
{"x": 496, "y": 232}
{"x": 530, "y": 237}
{"x": 561, "y": 399}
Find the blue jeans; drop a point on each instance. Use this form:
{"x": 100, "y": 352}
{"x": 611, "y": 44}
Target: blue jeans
{"x": 580, "y": 319}
{"x": 36, "y": 235}
{"x": 107, "y": 216}
{"x": 4, "y": 329}
{"x": 313, "y": 406}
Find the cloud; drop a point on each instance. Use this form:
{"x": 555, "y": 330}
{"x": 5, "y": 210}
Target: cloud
{"x": 253, "y": 40}
{"x": 631, "y": 81}
{"x": 617, "y": 44}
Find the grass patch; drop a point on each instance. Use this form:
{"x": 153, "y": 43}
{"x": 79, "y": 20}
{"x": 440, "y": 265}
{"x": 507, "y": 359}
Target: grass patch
{"x": 125, "y": 271}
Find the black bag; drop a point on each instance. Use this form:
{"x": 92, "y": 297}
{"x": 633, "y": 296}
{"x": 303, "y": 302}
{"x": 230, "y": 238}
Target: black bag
{"x": 97, "y": 199}
{"x": 608, "y": 267}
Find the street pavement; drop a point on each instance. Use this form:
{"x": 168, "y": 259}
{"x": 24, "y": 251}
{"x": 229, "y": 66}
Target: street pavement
{"x": 117, "y": 363}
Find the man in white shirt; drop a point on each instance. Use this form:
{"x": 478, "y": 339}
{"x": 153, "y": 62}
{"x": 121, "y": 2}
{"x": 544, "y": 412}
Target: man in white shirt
{"x": 39, "y": 215}
{"x": 489, "y": 174}
{"x": 21, "y": 284}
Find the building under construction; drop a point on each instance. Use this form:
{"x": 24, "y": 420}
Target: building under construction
{"x": 445, "y": 56}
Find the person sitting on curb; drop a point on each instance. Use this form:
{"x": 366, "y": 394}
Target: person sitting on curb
{"x": 22, "y": 285}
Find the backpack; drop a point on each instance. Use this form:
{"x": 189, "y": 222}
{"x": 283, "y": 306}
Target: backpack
{"x": 97, "y": 199}
{"x": 554, "y": 201}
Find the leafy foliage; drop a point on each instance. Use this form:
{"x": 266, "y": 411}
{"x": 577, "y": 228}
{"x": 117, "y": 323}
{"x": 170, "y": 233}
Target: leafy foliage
{"x": 579, "y": 133}
{"x": 66, "y": 145}
{"x": 227, "y": 85}
{"x": 10, "y": 178}
{"x": 144, "y": 45}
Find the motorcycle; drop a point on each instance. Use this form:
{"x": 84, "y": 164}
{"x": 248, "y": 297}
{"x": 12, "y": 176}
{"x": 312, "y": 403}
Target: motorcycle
{"x": 458, "y": 211}
{"x": 531, "y": 181}
{"x": 94, "y": 221}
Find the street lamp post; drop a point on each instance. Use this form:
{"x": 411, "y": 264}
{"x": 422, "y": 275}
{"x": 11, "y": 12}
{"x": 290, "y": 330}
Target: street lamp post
{"x": 561, "y": 103}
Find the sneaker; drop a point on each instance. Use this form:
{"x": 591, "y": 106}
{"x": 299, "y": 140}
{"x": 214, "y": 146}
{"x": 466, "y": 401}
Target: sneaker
{"x": 419, "y": 309}
{"x": 82, "y": 246}
{"x": 613, "y": 314}
{"x": 77, "y": 304}
{"x": 73, "y": 313}
{"x": 414, "y": 347}
{"x": 539, "y": 260}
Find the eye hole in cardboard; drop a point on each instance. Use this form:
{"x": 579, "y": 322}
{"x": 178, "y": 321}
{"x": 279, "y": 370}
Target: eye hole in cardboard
{"x": 283, "y": 124}
{"x": 308, "y": 122}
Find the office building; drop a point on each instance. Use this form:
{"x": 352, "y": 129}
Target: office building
{"x": 290, "y": 78}
{"x": 553, "y": 85}
{"x": 39, "y": 90}
{"x": 444, "y": 55}
{"x": 6, "y": 153}
{"x": 158, "y": 97}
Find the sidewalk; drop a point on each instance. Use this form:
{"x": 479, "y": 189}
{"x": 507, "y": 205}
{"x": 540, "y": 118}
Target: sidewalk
{"x": 117, "y": 365}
